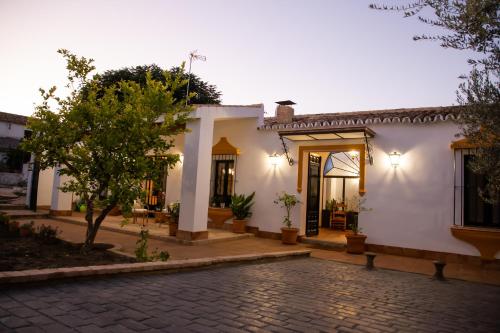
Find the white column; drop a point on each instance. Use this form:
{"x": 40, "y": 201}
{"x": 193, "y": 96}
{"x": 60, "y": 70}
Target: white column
{"x": 61, "y": 202}
{"x": 195, "y": 190}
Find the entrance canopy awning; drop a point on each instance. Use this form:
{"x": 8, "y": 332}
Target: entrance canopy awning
{"x": 328, "y": 134}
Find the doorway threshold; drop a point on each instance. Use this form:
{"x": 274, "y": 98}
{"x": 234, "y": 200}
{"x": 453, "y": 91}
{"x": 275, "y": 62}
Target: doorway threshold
{"x": 336, "y": 243}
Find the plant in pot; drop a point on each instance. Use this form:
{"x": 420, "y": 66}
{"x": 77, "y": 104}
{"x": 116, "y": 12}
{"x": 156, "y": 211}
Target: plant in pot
{"x": 27, "y": 229}
{"x": 355, "y": 239}
{"x": 173, "y": 211}
{"x": 288, "y": 234}
{"x": 327, "y": 212}
{"x": 241, "y": 206}
{"x": 216, "y": 201}
{"x": 14, "y": 228}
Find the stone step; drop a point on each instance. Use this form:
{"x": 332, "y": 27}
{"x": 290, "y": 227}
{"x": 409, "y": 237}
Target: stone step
{"x": 25, "y": 214}
{"x": 324, "y": 244}
{"x": 12, "y": 207}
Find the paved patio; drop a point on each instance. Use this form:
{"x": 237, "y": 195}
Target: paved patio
{"x": 254, "y": 245}
{"x": 303, "y": 295}
{"x": 156, "y": 230}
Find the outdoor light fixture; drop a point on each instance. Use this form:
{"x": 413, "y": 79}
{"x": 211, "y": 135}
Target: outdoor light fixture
{"x": 181, "y": 158}
{"x": 274, "y": 159}
{"x": 395, "y": 157}
{"x": 353, "y": 154}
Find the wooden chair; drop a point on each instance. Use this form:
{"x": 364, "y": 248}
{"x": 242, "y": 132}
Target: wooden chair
{"x": 138, "y": 210}
{"x": 338, "y": 220}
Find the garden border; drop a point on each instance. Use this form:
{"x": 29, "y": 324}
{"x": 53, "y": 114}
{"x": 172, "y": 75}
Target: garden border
{"x": 36, "y": 275}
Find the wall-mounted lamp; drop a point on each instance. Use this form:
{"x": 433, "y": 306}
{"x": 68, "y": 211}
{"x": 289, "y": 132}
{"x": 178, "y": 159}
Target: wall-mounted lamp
{"x": 394, "y": 157}
{"x": 274, "y": 159}
{"x": 181, "y": 158}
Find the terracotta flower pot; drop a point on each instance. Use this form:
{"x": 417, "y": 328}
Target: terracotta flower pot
{"x": 289, "y": 235}
{"x": 355, "y": 243}
{"x": 172, "y": 228}
{"x": 14, "y": 226}
{"x": 239, "y": 226}
{"x": 24, "y": 232}
{"x": 115, "y": 211}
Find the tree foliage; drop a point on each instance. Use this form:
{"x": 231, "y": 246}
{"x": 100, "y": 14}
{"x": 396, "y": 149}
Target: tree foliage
{"x": 204, "y": 93}
{"x": 108, "y": 140}
{"x": 471, "y": 25}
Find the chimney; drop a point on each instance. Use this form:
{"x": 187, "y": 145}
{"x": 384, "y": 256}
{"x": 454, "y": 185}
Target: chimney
{"x": 284, "y": 111}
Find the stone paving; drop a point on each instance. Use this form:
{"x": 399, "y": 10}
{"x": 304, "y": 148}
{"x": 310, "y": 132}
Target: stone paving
{"x": 304, "y": 295}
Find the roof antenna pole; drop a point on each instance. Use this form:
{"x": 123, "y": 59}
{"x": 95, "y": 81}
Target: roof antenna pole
{"x": 192, "y": 56}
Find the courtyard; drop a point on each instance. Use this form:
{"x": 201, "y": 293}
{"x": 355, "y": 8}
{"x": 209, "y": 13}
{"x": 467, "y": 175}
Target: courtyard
{"x": 302, "y": 295}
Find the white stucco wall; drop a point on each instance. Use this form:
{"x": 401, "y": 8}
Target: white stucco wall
{"x": 411, "y": 206}
{"x": 10, "y": 130}
{"x": 45, "y": 183}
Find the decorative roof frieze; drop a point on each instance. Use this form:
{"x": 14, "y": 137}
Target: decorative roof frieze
{"x": 363, "y": 118}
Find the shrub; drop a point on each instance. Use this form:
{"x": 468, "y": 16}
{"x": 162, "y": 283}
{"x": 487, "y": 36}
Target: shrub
{"x": 4, "y": 219}
{"x": 174, "y": 210}
{"x": 14, "y": 228}
{"x": 287, "y": 201}
{"x": 47, "y": 234}
{"x": 241, "y": 205}
{"x": 141, "y": 251}
{"x": 27, "y": 229}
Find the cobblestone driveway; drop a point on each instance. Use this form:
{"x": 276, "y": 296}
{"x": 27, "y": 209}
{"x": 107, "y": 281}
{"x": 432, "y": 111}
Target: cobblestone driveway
{"x": 307, "y": 295}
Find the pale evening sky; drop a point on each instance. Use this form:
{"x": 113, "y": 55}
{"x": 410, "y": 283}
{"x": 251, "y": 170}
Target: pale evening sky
{"x": 326, "y": 55}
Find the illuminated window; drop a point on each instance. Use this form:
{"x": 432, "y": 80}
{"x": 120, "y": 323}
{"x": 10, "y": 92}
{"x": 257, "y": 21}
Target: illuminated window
{"x": 222, "y": 180}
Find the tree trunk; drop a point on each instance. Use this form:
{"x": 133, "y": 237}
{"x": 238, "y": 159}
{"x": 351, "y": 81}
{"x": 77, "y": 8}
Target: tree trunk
{"x": 93, "y": 226}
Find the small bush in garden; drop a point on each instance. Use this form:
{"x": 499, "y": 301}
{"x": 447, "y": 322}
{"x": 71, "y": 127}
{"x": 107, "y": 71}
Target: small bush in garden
{"x": 14, "y": 228}
{"x": 47, "y": 234}
{"x": 141, "y": 251}
{"x": 4, "y": 219}
{"x": 27, "y": 229}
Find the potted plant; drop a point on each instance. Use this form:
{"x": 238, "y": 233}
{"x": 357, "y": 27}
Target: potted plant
{"x": 241, "y": 206}
{"x": 173, "y": 211}
{"x": 216, "y": 201}
{"x": 81, "y": 206}
{"x": 27, "y": 229}
{"x": 288, "y": 234}
{"x": 355, "y": 239}
{"x": 327, "y": 212}
{"x": 14, "y": 227}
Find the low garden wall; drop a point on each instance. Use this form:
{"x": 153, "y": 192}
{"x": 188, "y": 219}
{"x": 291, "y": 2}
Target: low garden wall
{"x": 10, "y": 178}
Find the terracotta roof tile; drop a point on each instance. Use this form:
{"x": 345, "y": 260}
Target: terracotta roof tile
{"x": 342, "y": 119}
{"x": 13, "y": 118}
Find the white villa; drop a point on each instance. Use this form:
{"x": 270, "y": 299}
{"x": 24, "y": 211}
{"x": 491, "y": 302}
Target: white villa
{"x": 406, "y": 164}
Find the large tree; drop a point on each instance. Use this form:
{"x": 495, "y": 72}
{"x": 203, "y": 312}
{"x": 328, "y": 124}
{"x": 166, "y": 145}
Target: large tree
{"x": 203, "y": 92}
{"x": 471, "y": 25}
{"x": 109, "y": 139}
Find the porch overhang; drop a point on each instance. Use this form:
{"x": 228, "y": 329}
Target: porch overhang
{"x": 337, "y": 134}
{"x": 328, "y": 134}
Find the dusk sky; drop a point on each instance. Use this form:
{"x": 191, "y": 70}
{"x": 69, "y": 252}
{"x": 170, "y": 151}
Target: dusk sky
{"x": 327, "y": 56}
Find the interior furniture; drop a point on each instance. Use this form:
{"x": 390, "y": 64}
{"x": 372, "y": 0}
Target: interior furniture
{"x": 138, "y": 210}
{"x": 338, "y": 220}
